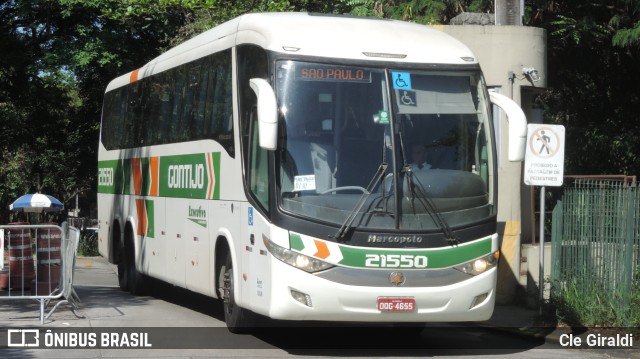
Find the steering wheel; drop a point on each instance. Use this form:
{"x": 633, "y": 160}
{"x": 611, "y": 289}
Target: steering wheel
{"x": 345, "y": 188}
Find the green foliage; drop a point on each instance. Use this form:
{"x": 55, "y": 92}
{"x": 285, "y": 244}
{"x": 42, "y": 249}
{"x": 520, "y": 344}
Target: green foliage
{"x": 88, "y": 245}
{"x": 593, "y": 84}
{"x": 628, "y": 36}
{"x": 420, "y": 11}
{"x": 365, "y": 7}
{"x": 585, "y": 302}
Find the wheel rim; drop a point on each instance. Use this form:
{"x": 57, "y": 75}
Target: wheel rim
{"x": 229, "y": 302}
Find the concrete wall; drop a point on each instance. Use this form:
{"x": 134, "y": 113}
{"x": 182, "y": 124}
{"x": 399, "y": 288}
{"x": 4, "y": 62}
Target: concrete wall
{"x": 531, "y": 266}
{"x": 503, "y": 52}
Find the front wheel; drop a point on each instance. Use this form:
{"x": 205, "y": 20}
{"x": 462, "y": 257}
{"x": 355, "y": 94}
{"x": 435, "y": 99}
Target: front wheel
{"x": 238, "y": 319}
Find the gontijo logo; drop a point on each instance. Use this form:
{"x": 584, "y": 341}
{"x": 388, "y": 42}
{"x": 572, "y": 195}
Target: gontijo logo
{"x": 186, "y": 176}
{"x": 195, "y": 175}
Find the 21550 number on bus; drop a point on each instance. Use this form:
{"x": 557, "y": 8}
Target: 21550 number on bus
{"x": 395, "y": 261}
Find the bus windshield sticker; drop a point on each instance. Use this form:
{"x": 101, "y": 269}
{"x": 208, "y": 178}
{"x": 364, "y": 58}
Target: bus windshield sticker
{"x": 382, "y": 118}
{"x": 304, "y": 183}
{"x": 329, "y": 73}
{"x": 407, "y": 98}
{"x": 401, "y": 80}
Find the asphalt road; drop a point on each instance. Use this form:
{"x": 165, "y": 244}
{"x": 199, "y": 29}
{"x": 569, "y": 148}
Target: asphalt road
{"x": 181, "y": 324}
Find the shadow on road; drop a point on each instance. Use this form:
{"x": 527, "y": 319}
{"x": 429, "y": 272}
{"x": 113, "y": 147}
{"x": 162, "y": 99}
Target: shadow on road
{"x": 347, "y": 339}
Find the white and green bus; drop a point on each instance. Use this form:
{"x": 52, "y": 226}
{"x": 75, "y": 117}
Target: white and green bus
{"x": 268, "y": 162}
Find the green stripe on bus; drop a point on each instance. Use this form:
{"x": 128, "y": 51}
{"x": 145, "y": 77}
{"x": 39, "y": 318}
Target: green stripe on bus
{"x": 110, "y": 176}
{"x": 215, "y": 158}
{"x": 295, "y": 241}
{"x": 150, "y": 209}
{"x": 194, "y": 176}
{"x": 416, "y": 258}
{"x": 436, "y": 257}
{"x": 184, "y": 176}
{"x": 126, "y": 176}
{"x": 146, "y": 177}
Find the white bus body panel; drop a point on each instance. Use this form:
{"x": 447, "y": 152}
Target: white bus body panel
{"x": 267, "y": 283}
{"x": 181, "y": 251}
{"x": 338, "y": 302}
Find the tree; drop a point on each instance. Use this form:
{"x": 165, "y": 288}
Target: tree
{"x": 626, "y": 22}
{"x": 593, "y": 84}
{"x": 57, "y": 58}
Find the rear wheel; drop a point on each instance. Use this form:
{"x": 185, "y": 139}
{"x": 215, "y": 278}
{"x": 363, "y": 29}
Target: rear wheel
{"x": 122, "y": 262}
{"x": 122, "y": 276}
{"x": 238, "y": 319}
{"x": 128, "y": 276}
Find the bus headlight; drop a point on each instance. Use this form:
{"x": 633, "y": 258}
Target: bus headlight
{"x": 298, "y": 260}
{"x": 480, "y": 265}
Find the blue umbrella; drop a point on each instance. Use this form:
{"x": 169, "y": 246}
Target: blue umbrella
{"x": 36, "y": 203}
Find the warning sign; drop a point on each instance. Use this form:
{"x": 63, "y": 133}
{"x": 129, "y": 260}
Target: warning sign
{"x": 544, "y": 156}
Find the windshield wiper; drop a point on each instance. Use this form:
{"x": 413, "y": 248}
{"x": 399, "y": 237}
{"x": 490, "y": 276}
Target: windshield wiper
{"x": 346, "y": 226}
{"x": 418, "y": 192}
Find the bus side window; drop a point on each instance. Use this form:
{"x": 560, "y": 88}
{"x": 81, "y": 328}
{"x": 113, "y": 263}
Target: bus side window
{"x": 176, "y": 109}
{"x": 134, "y": 119}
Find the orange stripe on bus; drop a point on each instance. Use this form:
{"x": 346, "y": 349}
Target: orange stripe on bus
{"x": 142, "y": 216}
{"x": 211, "y": 176}
{"x": 134, "y": 76}
{"x": 323, "y": 250}
{"x": 154, "y": 163}
{"x": 136, "y": 170}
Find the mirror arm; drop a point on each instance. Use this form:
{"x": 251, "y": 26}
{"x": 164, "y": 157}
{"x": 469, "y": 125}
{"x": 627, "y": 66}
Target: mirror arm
{"x": 517, "y": 125}
{"x": 267, "y": 113}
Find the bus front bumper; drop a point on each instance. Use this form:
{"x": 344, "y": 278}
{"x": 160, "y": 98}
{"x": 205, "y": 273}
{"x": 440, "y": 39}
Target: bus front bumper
{"x": 322, "y": 299}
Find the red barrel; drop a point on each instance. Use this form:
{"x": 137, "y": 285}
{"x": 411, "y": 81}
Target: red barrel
{"x": 21, "y": 266}
{"x": 49, "y": 251}
{"x": 4, "y": 278}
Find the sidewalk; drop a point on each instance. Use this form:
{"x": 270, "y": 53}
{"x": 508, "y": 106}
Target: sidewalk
{"x": 523, "y": 321}
{"x": 526, "y": 322}
{"x": 103, "y": 304}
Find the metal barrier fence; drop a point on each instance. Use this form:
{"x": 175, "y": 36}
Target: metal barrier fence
{"x": 37, "y": 263}
{"x": 596, "y": 244}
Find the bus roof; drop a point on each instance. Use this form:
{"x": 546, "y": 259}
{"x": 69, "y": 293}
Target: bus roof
{"x": 316, "y": 35}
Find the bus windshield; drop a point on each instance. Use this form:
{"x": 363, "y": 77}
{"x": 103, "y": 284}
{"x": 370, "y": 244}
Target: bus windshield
{"x": 382, "y": 144}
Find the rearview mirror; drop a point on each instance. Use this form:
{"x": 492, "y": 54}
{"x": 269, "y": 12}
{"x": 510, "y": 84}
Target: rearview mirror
{"x": 517, "y": 125}
{"x": 267, "y": 113}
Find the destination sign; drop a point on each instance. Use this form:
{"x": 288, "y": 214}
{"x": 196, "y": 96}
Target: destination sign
{"x": 316, "y": 72}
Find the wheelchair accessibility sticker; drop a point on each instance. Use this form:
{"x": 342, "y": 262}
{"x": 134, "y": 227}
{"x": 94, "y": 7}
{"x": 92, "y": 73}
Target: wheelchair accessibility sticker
{"x": 408, "y": 98}
{"x": 401, "y": 80}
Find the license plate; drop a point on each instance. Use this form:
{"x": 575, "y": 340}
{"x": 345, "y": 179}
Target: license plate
{"x": 395, "y": 304}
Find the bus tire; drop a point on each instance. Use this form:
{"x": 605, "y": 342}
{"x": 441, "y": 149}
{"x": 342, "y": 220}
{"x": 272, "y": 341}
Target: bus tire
{"x": 121, "y": 260}
{"x": 238, "y": 319}
{"x": 135, "y": 280}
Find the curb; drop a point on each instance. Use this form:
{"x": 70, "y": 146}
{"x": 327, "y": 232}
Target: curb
{"x": 530, "y": 332}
